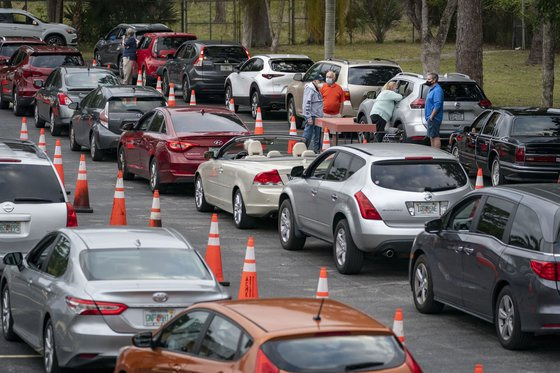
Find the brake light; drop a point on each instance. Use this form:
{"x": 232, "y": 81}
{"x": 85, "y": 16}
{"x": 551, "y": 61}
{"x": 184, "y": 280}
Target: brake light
{"x": 520, "y": 154}
{"x": 418, "y": 104}
{"x": 63, "y": 99}
{"x": 200, "y": 58}
{"x": 270, "y": 76}
{"x": 10, "y": 160}
{"x": 485, "y": 103}
{"x": 346, "y": 95}
{"x": 367, "y": 210}
{"x": 419, "y": 158}
{"x": 264, "y": 365}
{"x": 71, "y": 218}
{"x": 268, "y": 178}
{"x": 246, "y": 51}
{"x": 90, "y": 307}
{"x": 416, "y": 138}
{"x": 104, "y": 116}
{"x": 411, "y": 363}
{"x": 179, "y": 146}
{"x": 540, "y": 158}
{"x": 546, "y": 270}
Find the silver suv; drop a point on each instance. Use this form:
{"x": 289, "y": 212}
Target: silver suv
{"x": 463, "y": 101}
{"x": 16, "y": 22}
{"x": 33, "y": 201}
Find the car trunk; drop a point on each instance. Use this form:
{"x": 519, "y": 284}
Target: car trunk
{"x": 541, "y": 151}
{"x": 365, "y": 78}
{"x": 283, "y": 165}
{"x": 204, "y": 142}
{"x": 78, "y": 94}
{"x": 283, "y": 71}
{"x": 129, "y": 109}
{"x": 219, "y": 61}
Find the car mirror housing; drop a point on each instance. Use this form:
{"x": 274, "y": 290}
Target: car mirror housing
{"x": 433, "y": 226}
{"x": 38, "y": 83}
{"x": 209, "y": 154}
{"x": 74, "y": 106}
{"x": 297, "y": 171}
{"x": 14, "y": 259}
{"x": 298, "y": 77}
{"x": 143, "y": 340}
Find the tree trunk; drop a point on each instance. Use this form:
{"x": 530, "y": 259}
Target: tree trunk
{"x": 55, "y": 10}
{"x": 276, "y": 32}
{"x": 468, "y": 45}
{"x": 220, "y": 12}
{"x": 256, "y": 25}
{"x": 547, "y": 64}
{"x": 77, "y": 18}
{"x": 536, "y": 52}
{"x": 7, "y": 3}
{"x": 330, "y": 19}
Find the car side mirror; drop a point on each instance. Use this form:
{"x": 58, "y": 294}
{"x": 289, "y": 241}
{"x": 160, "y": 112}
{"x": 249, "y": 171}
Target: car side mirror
{"x": 74, "y": 106}
{"x": 433, "y": 226}
{"x": 143, "y": 340}
{"x": 14, "y": 259}
{"x": 35, "y": 23}
{"x": 209, "y": 154}
{"x": 298, "y": 77}
{"x": 127, "y": 126}
{"x": 467, "y": 129}
{"x": 297, "y": 171}
{"x": 38, "y": 83}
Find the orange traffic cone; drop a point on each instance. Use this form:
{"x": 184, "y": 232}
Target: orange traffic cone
{"x": 322, "y": 286}
{"x": 231, "y": 105}
{"x": 259, "y": 130}
{"x": 213, "y": 252}
{"x": 118, "y": 213}
{"x": 23, "y": 134}
{"x": 326, "y": 140}
{"x": 155, "y": 214}
{"x": 94, "y": 63}
{"x": 248, "y": 288}
{"x": 364, "y": 140}
{"x": 293, "y": 132}
{"x": 478, "y": 368}
{"x": 158, "y": 85}
{"x": 398, "y": 327}
{"x": 109, "y": 66}
{"x": 81, "y": 196}
{"x": 171, "y": 99}
{"x": 193, "y": 99}
{"x": 57, "y": 161}
{"x": 42, "y": 143}
{"x": 139, "y": 79}
{"x": 479, "y": 179}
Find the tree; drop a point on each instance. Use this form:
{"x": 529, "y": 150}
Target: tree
{"x": 535, "y": 53}
{"x": 315, "y": 14}
{"x": 55, "y": 10}
{"x": 220, "y": 16}
{"x": 7, "y": 3}
{"x": 330, "y": 29}
{"x": 381, "y": 15}
{"x": 256, "y": 24}
{"x": 431, "y": 44}
{"x": 550, "y": 10}
{"x": 468, "y": 43}
{"x": 276, "y": 32}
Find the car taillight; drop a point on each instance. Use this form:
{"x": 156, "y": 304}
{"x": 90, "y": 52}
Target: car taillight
{"x": 367, "y": 210}
{"x": 268, "y": 178}
{"x": 246, "y": 51}
{"x": 91, "y": 307}
{"x": 199, "y": 59}
{"x": 31, "y": 73}
{"x": 71, "y": 218}
{"x": 484, "y": 103}
{"x": 540, "y": 158}
{"x": 63, "y": 99}
{"x": 104, "y": 116}
{"x": 546, "y": 270}
{"x": 179, "y": 146}
{"x": 520, "y": 154}
{"x": 264, "y": 365}
{"x": 346, "y": 95}
{"x": 418, "y": 104}
{"x": 411, "y": 363}
{"x": 270, "y": 76}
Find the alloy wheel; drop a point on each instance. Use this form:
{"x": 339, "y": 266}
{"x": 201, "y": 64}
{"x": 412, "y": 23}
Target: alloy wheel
{"x": 153, "y": 175}
{"x": 340, "y": 246}
{"x": 6, "y": 313}
{"x": 228, "y": 96}
{"x": 48, "y": 348}
{"x": 122, "y": 161}
{"x": 165, "y": 85}
{"x": 285, "y": 224}
{"x": 495, "y": 172}
{"x": 421, "y": 284}
{"x": 237, "y": 208}
{"x": 506, "y": 314}
{"x": 198, "y": 193}
{"x": 254, "y": 104}
{"x": 52, "y": 126}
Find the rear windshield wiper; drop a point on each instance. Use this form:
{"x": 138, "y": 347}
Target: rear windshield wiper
{"x": 440, "y": 189}
{"x": 364, "y": 365}
{"x": 31, "y": 199}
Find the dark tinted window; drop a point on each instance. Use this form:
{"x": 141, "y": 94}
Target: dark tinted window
{"x": 184, "y": 332}
{"x": 5, "y": 18}
{"x": 144, "y": 122}
{"x": 38, "y": 256}
{"x": 208, "y": 122}
{"x": 221, "y": 340}
{"x": 356, "y": 164}
{"x": 290, "y": 66}
{"x": 462, "y": 216}
{"x": 536, "y": 126}
{"x": 339, "y": 168}
{"x": 489, "y": 127}
{"x": 418, "y": 176}
{"x": 58, "y": 260}
{"x": 8, "y": 49}
{"x": 90, "y": 80}
{"x": 313, "y": 71}
{"x": 479, "y": 121}
{"x": 526, "y": 230}
{"x": 335, "y": 353}
{"x": 53, "y": 61}
{"x": 171, "y": 43}
{"x": 220, "y": 54}
{"x": 134, "y": 104}
{"x": 461, "y": 91}
{"x": 258, "y": 65}
{"x": 494, "y": 217}
{"x": 371, "y": 75}
{"x": 319, "y": 170}
{"x": 156, "y": 123}
{"x": 245, "y": 345}
{"x": 26, "y": 183}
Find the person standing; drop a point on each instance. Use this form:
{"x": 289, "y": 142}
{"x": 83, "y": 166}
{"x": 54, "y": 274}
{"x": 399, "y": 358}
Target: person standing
{"x": 313, "y": 109}
{"x": 384, "y": 105}
{"x": 333, "y": 97}
{"x": 434, "y": 109}
{"x": 129, "y": 56}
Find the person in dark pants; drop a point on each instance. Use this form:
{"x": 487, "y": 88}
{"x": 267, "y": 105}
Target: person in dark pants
{"x": 434, "y": 109}
{"x": 313, "y": 109}
{"x": 382, "y": 109}
{"x": 129, "y": 57}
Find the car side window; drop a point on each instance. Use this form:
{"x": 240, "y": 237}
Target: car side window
{"x": 356, "y": 164}
{"x": 183, "y": 334}
{"x": 188, "y": 51}
{"x": 156, "y": 123}
{"x": 340, "y": 166}
{"x": 320, "y": 168}
{"x": 247, "y": 66}
{"x": 163, "y": 128}
{"x": 312, "y": 71}
{"x": 325, "y": 68}
{"x": 494, "y": 217}
{"x": 478, "y": 122}
{"x": 145, "y": 43}
{"x": 21, "y": 19}
{"x": 5, "y": 18}
{"x": 526, "y": 229}
{"x": 245, "y": 344}
{"x": 462, "y": 216}
{"x": 489, "y": 127}
{"x": 144, "y": 122}
{"x": 58, "y": 260}
{"x": 221, "y": 340}
{"x": 57, "y": 81}
{"x": 112, "y": 35}
{"x": 48, "y": 82}
{"x": 501, "y": 129}
{"x": 37, "y": 258}
{"x": 258, "y": 65}
{"x": 98, "y": 101}
{"x": 87, "y": 100}
{"x": 17, "y": 58}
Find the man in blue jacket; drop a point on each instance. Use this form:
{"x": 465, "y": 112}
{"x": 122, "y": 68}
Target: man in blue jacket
{"x": 434, "y": 109}
{"x": 129, "y": 56}
{"x": 313, "y": 109}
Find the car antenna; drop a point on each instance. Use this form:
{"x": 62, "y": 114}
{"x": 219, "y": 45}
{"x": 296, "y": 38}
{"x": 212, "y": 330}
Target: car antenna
{"x": 318, "y": 317}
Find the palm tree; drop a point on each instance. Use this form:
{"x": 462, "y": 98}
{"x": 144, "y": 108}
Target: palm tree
{"x": 330, "y": 6}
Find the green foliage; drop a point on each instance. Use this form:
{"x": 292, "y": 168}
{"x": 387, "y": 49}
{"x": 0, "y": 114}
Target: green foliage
{"x": 315, "y": 10}
{"x": 380, "y": 16}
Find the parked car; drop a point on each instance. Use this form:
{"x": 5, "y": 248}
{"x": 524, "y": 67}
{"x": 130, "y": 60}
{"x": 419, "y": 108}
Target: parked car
{"x": 355, "y": 77}
{"x": 17, "y": 22}
{"x": 108, "y": 49}
{"x": 269, "y": 335}
{"x": 511, "y": 145}
{"x": 10, "y": 44}
{"x": 32, "y": 197}
{"x": 81, "y": 294}
{"x": 29, "y": 65}
{"x": 202, "y": 66}
{"x": 262, "y": 81}
{"x": 464, "y": 100}
{"x": 96, "y": 122}
{"x": 494, "y": 255}
{"x": 168, "y": 144}
{"x": 153, "y": 49}
{"x": 64, "y": 86}
{"x": 368, "y": 198}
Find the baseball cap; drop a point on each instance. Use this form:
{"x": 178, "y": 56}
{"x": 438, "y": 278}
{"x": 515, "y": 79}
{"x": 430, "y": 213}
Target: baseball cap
{"x": 319, "y": 77}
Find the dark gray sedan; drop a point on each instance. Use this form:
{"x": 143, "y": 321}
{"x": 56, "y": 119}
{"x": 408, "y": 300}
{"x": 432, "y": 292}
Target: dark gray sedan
{"x": 495, "y": 255}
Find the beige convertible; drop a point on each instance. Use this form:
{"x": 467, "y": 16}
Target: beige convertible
{"x": 245, "y": 176}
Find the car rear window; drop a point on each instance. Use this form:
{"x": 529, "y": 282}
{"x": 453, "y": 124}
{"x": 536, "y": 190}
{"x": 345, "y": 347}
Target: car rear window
{"x": 418, "y": 176}
{"x": 8, "y": 49}
{"x": 142, "y": 264}
{"x": 291, "y": 65}
{"x": 208, "y": 122}
{"x": 458, "y": 91}
{"x": 537, "y": 126}
{"x": 134, "y": 104}
{"x": 53, "y": 61}
{"x": 371, "y": 75}
{"x": 220, "y": 54}
{"x": 87, "y": 79}
{"x": 335, "y": 353}
{"x": 26, "y": 183}
{"x": 172, "y": 42}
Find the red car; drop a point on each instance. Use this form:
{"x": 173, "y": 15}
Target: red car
{"x": 9, "y": 44}
{"x": 153, "y": 50}
{"x": 26, "y": 72}
{"x": 167, "y": 145}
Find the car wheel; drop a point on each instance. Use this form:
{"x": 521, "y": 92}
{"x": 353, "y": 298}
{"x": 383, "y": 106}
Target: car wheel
{"x": 121, "y": 67}
{"x": 4, "y": 105}
{"x": 404, "y": 136}
{"x": 16, "y": 107}
{"x": 7, "y": 320}
{"x": 122, "y": 165}
{"x": 423, "y": 288}
{"x": 95, "y": 152}
{"x": 39, "y": 123}
{"x": 55, "y": 40}
{"x": 240, "y": 217}
{"x": 496, "y": 173}
{"x": 72, "y": 136}
{"x": 287, "y": 227}
{"x": 98, "y": 58}
{"x": 199, "y": 198}
{"x": 229, "y": 96}
{"x": 155, "y": 182}
{"x": 49, "y": 350}
{"x": 293, "y": 113}
{"x": 508, "y": 322}
{"x": 144, "y": 77}
{"x": 186, "y": 90}
{"x": 54, "y": 128}
{"x": 255, "y": 103}
{"x": 165, "y": 84}
{"x": 347, "y": 257}
{"x": 455, "y": 151}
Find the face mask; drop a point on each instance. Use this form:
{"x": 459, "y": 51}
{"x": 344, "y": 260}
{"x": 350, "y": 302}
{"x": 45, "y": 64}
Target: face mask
{"x": 330, "y": 81}
{"x": 429, "y": 84}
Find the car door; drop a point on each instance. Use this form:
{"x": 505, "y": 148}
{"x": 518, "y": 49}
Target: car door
{"x": 82, "y": 128}
{"x": 484, "y": 141}
{"x": 149, "y": 142}
{"x": 113, "y": 44}
{"x": 143, "y": 51}
{"x": 467, "y": 146}
{"x": 15, "y": 64}
{"x": 51, "y": 92}
{"x": 133, "y": 143}
{"x": 247, "y": 77}
{"x": 78, "y": 115}
{"x": 175, "y": 66}
{"x": 41, "y": 97}
{"x": 238, "y": 81}
{"x": 23, "y": 25}
{"x": 5, "y": 23}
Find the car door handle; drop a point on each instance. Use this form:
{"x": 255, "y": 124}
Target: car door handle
{"x": 313, "y": 192}
{"x": 334, "y": 197}
{"x": 468, "y": 250}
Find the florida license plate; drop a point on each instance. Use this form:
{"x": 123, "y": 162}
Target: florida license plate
{"x": 10, "y": 227}
{"x": 426, "y": 208}
{"x": 456, "y": 115}
{"x": 226, "y": 68}
{"x": 157, "y": 317}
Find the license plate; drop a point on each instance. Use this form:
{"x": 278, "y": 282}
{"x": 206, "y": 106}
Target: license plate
{"x": 157, "y": 317}
{"x": 426, "y": 208}
{"x": 10, "y": 227}
{"x": 226, "y": 68}
{"x": 456, "y": 115}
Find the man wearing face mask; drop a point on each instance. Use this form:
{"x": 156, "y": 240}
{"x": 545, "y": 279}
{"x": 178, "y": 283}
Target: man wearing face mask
{"x": 382, "y": 109}
{"x": 313, "y": 109}
{"x": 434, "y": 109}
{"x": 333, "y": 97}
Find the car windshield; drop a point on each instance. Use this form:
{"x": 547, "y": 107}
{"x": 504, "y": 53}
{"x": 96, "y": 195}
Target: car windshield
{"x": 167, "y": 43}
{"x": 458, "y": 91}
{"x": 142, "y": 264}
{"x": 418, "y": 176}
{"x": 134, "y": 104}
{"x": 342, "y": 353}
{"x": 8, "y": 49}
{"x": 537, "y": 126}
{"x": 207, "y": 122}
{"x": 26, "y": 183}
{"x": 291, "y": 65}
{"x": 53, "y": 61}
{"x": 238, "y": 149}
{"x": 371, "y": 75}
{"x": 93, "y": 79}
{"x": 220, "y": 54}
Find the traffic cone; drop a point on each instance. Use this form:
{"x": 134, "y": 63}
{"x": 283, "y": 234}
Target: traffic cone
{"x": 118, "y": 213}
{"x": 231, "y": 105}
{"x": 259, "y": 130}
{"x": 155, "y": 214}
{"x": 94, "y": 63}
{"x": 193, "y": 99}
{"x": 248, "y": 288}
{"x": 364, "y": 140}
{"x": 108, "y": 66}
{"x": 398, "y": 327}
{"x": 322, "y": 286}
{"x": 478, "y": 368}
{"x": 293, "y": 132}
{"x": 171, "y": 99}
{"x": 213, "y": 252}
{"x": 158, "y": 85}
{"x": 57, "y": 161}
{"x": 42, "y": 143}
{"x": 479, "y": 179}
{"x": 23, "y": 134}
{"x": 326, "y": 140}
{"x": 81, "y": 195}
{"x": 139, "y": 79}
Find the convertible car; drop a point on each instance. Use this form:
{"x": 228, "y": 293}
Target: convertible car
{"x": 246, "y": 175}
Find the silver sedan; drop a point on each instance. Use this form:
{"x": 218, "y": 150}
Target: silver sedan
{"x": 81, "y": 294}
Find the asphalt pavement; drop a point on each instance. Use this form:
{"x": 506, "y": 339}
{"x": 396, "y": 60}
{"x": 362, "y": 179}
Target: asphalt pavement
{"x": 448, "y": 342}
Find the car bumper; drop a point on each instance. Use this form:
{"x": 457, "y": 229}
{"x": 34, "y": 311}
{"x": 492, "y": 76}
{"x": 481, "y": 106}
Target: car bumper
{"x": 180, "y": 170}
{"x": 62, "y": 115}
{"x": 273, "y": 101}
{"x": 377, "y": 237}
{"x": 262, "y": 200}
{"x": 209, "y": 86}
{"x": 26, "y": 100}
{"x": 518, "y": 173}
{"x": 106, "y": 140}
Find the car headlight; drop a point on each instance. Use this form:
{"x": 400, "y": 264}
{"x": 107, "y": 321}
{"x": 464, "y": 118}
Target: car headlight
{"x": 70, "y": 31}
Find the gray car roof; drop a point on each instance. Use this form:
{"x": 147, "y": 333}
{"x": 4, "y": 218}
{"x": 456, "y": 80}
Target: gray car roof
{"x": 126, "y": 90}
{"x": 22, "y": 150}
{"x": 548, "y": 192}
{"x": 393, "y": 150}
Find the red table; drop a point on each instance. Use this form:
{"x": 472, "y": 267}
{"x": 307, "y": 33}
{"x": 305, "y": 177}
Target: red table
{"x": 340, "y": 125}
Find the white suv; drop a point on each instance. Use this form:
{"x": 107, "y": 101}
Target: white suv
{"x": 15, "y": 22}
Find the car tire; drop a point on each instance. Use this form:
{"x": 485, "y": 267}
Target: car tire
{"x": 200, "y": 198}
{"x": 240, "y": 217}
{"x": 508, "y": 322}
{"x": 287, "y": 228}
{"x": 293, "y": 113}
{"x": 165, "y": 84}
{"x": 120, "y": 67}
{"x": 154, "y": 180}
{"x": 7, "y": 319}
{"x": 74, "y": 146}
{"x": 55, "y": 40}
{"x": 4, "y": 104}
{"x": 455, "y": 150}
{"x": 228, "y": 96}
{"x": 16, "y": 107}
{"x": 186, "y": 88}
{"x": 97, "y": 56}
{"x": 496, "y": 176}
{"x": 122, "y": 164}
{"x": 347, "y": 257}
{"x": 255, "y": 103}
{"x": 423, "y": 288}
{"x": 50, "y": 360}
{"x": 94, "y": 151}
{"x": 39, "y": 123}
{"x": 144, "y": 77}
{"x": 54, "y": 128}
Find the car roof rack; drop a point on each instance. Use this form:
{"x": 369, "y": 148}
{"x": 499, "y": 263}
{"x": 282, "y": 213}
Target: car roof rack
{"x": 338, "y": 60}
{"x": 447, "y": 75}
{"x": 411, "y": 74}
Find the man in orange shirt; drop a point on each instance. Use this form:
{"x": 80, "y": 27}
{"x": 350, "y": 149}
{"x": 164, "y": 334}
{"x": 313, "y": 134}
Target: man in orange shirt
{"x": 333, "y": 97}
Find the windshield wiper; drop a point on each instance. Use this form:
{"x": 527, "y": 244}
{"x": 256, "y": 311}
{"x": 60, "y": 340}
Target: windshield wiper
{"x": 31, "y": 199}
{"x": 364, "y": 365}
{"x": 440, "y": 189}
